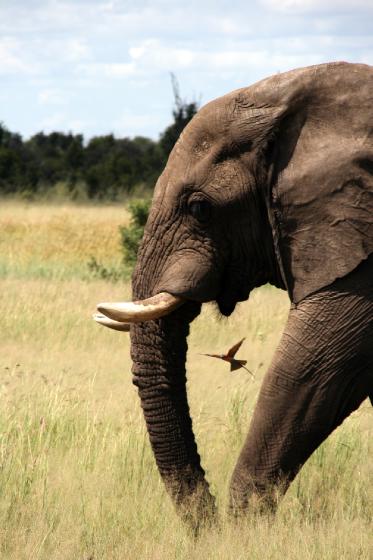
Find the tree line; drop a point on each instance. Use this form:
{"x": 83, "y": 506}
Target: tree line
{"x": 104, "y": 167}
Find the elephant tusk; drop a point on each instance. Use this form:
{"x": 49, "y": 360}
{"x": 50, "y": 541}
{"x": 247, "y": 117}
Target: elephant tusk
{"x": 139, "y": 311}
{"x": 106, "y": 322}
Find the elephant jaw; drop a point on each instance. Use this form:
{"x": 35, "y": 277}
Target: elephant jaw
{"x": 122, "y": 314}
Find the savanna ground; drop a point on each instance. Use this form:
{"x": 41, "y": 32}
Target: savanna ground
{"x": 77, "y": 477}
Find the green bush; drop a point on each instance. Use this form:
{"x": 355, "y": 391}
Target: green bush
{"x": 112, "y": 274}
{"x": 131, "y": 236}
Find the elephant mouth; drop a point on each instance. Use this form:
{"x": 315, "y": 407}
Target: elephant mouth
{"x": 120, "y": 315}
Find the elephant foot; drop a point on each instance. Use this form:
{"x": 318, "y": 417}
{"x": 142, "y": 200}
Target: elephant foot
{"x": 253, "y": 497}
{"x": 198, "y": 510}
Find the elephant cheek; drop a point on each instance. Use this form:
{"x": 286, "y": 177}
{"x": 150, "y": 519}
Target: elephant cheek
{"x": 192, "y": 278}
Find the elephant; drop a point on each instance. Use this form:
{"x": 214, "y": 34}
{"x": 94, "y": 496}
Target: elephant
{"x": 271, "y": 183}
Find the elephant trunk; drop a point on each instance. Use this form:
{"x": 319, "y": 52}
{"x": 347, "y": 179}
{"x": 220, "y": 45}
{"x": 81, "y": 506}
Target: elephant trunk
{"x": 158, "y": 350}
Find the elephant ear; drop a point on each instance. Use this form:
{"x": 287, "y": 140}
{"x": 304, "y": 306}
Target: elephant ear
{"x": 320, "y": 199}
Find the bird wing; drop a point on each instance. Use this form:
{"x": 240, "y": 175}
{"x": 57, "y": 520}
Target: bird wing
{"x": 237, "y": 364}
{"x": 232, "y": 351}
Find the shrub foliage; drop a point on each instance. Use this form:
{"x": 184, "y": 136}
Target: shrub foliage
{"x": 132, "y": 235}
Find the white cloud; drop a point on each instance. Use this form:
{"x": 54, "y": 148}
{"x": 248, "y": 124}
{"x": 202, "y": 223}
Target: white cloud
{"x": 138, "y": 52}
{"x": 131, "y": 124}
{"x": 108, "y": 70}
{"x": 110, "y": 54}
{"x": 106, "y": 7}
{"x": 52, "y": 97}
{"x": 59, "y": 14}
{"x": 63, "y": 121}
{"x": 241, "y": 61}
{"x": 155, "y": 55}
{"x": 13, "y": 59}
{"x": 52, "y": 122}
{"x": 76, "y": 50}
{"x": 367, "y": 57}
{"x": 77, "y": 126}
{"x": 226, "y": 25}
{"x": 317, "y": 5}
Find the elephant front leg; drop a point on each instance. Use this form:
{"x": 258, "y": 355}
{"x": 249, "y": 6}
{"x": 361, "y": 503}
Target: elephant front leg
{"x": 321, "y": 372}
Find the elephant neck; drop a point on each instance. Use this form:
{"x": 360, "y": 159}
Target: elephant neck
{"x": 262, "y": 252}
{"x": 273, "y": 262}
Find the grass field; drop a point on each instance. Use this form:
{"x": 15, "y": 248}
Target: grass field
{"x": 77, "y": 477}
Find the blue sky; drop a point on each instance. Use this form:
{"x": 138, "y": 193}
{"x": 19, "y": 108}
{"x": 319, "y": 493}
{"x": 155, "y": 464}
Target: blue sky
{"x": 103, "y": 66}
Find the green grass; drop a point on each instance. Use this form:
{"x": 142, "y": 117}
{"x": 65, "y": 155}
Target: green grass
{"x": 77, "y": 477}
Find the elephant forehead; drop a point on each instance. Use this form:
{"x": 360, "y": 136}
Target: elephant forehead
{"x": 165, "y": 192}
{"x": 207, "y": 130}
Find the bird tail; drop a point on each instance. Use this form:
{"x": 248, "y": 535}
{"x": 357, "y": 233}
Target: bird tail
{"x": 237, "y": 364}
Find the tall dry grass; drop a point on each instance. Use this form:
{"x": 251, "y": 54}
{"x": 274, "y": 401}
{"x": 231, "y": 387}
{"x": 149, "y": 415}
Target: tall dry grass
{"x": 77, "y": 476}
{"x": 58, "y": 240}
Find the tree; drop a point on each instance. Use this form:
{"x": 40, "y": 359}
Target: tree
{"x": 14, "y": 174}
{"x": 105, "y": 167}
{"x": 183, "y": 112}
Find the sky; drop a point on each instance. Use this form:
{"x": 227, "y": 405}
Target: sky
{"x": 99, "y": 66}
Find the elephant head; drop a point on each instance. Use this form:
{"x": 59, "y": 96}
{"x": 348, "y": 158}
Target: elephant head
{"x": 265, "y": 184}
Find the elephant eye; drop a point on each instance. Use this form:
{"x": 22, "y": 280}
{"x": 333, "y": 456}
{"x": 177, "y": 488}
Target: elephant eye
{"x": 200, "y": 210}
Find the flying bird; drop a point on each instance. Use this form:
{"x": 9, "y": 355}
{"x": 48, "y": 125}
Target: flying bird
{"x": 230, "y": 357}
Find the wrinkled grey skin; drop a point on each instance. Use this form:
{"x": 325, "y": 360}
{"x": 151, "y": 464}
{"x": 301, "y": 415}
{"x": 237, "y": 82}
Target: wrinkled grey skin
{"x": 286, "y": 168}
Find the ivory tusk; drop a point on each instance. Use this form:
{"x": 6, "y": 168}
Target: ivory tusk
{"x": 139, "y": 311}
{"x": 106, "y": 322}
